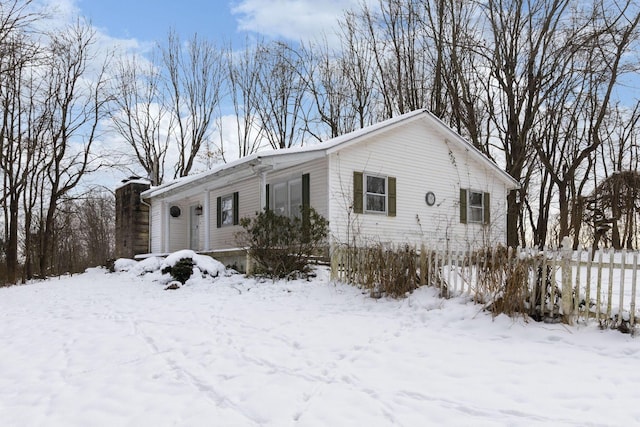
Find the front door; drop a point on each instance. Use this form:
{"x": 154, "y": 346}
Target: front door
{"x": 194, "y": 235}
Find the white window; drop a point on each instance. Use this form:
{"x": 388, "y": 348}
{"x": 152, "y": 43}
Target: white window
{"x": 375, "y": 193}
{"x": 476, "y": 206}
{"x": 226, "y": 210}
{"x": 287, "y": 198}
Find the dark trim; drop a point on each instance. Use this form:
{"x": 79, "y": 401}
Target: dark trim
{"x": 219, "y": 212}
{"x": 391, "y": 199}
{"x": 486, "y": 199}
{"x": 358, "y": 192}
{"x": 236, "y": 208}
{"x": 463, "y": 206}
{"x": 266, "y": 189}
{"x": 306, "y": 204}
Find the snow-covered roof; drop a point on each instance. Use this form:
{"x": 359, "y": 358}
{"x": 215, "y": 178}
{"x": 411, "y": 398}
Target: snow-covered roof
{"x": 133, "y": 180}
{"x": 310, "y": 152}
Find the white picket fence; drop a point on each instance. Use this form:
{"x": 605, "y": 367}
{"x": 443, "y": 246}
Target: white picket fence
{"x": 561, "y": 283}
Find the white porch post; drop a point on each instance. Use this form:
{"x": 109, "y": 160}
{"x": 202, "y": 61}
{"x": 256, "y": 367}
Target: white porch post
{"x": 166, "y": 229}
{"x": 207, "y": 213}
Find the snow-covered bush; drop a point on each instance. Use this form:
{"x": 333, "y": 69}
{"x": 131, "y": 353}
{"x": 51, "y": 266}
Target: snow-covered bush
{"x": 181, "y": 270}
{"x": 124, "y": 264}
{"x": 181, "y": 265}
{"x": 204, "y": 263}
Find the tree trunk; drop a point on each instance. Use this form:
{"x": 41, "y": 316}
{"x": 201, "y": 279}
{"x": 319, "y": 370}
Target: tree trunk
{"x": 563, "y": 215}
{"x": 513, "y": 215}
{"x": 12, "y": 243}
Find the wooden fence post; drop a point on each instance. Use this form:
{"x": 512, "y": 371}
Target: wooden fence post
{"x": 567, "y": 287}
{"x": 423, "y": 265}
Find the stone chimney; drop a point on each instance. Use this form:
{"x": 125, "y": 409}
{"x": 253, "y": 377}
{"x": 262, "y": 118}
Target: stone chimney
{"x": 132, "y": 219}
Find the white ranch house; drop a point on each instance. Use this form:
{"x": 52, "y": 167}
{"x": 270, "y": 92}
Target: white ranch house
{"x": 410, "y": 179}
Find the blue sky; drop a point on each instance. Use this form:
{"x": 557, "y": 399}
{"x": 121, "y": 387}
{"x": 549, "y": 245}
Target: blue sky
{"x": 220, "y": 20}
{"x": 149, "y": 20}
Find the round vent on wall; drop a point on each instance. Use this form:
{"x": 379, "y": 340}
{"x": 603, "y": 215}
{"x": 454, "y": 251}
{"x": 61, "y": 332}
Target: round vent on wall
{"x": 174, "y": 211}
{"x": 430, "y": 198}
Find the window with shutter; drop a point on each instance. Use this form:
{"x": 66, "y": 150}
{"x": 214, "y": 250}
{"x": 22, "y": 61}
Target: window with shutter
{"x": 474, "y": 207}
{"x": 374, "y": 194}
{"x": 289, "y": 197}
{"x": 228, "y": 210}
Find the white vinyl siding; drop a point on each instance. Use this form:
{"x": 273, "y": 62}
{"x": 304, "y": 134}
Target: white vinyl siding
{"x": 156, "y": 227}
{"x": 422, "y": 160}
{"x": 179, "y": 228}
{"x": 249, "y": 198}
{"x": 248, "y": 204}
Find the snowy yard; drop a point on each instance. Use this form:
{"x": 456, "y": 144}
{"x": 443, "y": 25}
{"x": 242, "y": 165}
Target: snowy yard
{"x": 115, "y": 349}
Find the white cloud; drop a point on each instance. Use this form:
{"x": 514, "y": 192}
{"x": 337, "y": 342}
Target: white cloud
{"x": 59, "y": 14}
{"x": 291, "y": 19}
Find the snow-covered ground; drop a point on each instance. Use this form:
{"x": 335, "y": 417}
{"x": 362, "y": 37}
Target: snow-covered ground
{"x": 116, "y": 349}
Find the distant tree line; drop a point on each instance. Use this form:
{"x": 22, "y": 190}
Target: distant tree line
{"x": 547, "y": 89}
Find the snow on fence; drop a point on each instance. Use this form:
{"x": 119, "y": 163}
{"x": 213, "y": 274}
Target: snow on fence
{"x": 550, "y": 284}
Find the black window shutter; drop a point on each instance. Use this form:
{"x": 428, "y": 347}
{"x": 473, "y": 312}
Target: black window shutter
{"x": 306, "y": 204}
{"x": 306, "y": 191}
{"x": 266, "y": 190}
{"x": 219, "y": 212}
{"x": 463, "y": 206}
{"x": 486, "y": 199}
{"x": 236, "y": 210}
{"x": 357, "y": 192}
{"x": 391, "y": 209}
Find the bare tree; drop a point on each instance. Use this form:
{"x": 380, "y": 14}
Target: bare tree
{"x": 17, "y": 54}
{"x": 142, "y": 116}
{"x": 243, "y": 73}
{"x": 524, "y": 63}
{"x": 280, "y": 99}
{"x": 598, "y": 58}
{"x": 323, "y": 74}
{"x": 357, "y": 67}
{"x": 76, "y": 101}
{"x": 460, "y": 74}
{"x": 194, "y": 76}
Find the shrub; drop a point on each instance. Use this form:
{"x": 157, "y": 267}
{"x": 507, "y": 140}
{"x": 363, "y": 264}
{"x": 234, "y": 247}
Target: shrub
{"x": 181, "y": 270}
{"x": 281, "y": 246}
{"x": 390, "y": 271}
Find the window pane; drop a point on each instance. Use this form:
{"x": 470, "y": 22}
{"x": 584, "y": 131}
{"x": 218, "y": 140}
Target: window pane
{"x": 475, "y": 199}
{"x": 280, "y": 199}
{"x": 476, "y": 214}
{"x": 375, "y": 184}
{"x": 227, "y": 210}
{"x": 376, "y": 203}
{"x": 295, "y": 197}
